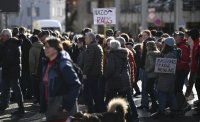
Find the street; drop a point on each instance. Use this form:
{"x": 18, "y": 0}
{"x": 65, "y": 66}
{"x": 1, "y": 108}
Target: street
{"x": 143, "y": 114}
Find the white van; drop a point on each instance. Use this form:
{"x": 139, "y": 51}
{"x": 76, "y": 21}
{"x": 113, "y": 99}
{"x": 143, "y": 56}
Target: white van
{"x": 47, "y": 24}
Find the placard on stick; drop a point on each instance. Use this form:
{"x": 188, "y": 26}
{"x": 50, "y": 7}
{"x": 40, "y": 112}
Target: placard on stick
{"x": 104, "y": 16}
{"x": 165, "y": 65}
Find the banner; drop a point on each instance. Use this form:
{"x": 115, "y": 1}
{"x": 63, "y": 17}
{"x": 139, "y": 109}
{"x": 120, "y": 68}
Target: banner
{"x": 104, "y": 16}
{"x": 165, "y": 65}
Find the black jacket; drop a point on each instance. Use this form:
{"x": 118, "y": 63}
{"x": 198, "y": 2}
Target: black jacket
{"x": 117, "y": 70}
{"x": 26, "y": 45}
{"x": 11, "y": 64}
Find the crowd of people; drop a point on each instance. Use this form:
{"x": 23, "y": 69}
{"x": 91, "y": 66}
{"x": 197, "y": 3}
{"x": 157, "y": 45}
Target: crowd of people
{"x": 60, "y": 71}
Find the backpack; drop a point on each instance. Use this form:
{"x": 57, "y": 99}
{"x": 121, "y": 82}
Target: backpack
{"x": 78, "y": 71}
{"x": 76, "y": 68}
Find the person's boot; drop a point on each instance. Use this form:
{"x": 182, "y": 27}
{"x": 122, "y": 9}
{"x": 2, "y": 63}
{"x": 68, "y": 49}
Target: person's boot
{"x": 3, "y": 108}
{"x": 18, "y": 112}
{"x": 154, "y": 108}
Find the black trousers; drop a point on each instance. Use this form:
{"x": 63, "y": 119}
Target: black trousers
{"x": 197, "y": 86}
{"x": 179, "y": 82}
{"x": 5, "y": 93}
{"x": 151, "y": 91}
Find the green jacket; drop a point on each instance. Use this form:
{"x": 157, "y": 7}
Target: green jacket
{"x": 150, "y": 63}
{"x": 34, "y": 55}
{"x": 93, "y": 62}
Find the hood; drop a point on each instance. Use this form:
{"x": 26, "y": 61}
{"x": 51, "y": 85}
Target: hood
{"x": 37, "y": 44}
{"x": 153, "y": 53}
{"x": 121, "y": 53}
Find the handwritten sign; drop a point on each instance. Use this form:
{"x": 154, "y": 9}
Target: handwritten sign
{"x": 165, "y": 65}
{"x": 104, "y": 16}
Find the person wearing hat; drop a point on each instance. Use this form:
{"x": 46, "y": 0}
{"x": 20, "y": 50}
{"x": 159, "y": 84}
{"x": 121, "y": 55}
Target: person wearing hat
{"x": 182, "y": 69}
{"x": 109, "y": 33}
{"x": 166, "y": 81}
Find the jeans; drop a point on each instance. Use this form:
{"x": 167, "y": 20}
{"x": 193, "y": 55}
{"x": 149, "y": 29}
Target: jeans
{"x": 166, "y": 97}
{"x": 143, "y": 77}
{"x": 179, "y": 82}
{"x": 93, "y": 94}
{"x": 5, "y": 93}
{"x": 124, "y": 94}
{"x": 151, "y": 91}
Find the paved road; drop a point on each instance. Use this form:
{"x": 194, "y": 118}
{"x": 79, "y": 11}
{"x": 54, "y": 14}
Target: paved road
{"x": 144, "y": 116}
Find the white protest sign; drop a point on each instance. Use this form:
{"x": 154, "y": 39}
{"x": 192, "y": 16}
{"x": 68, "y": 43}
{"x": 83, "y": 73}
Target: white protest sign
{"x": 104, "y": 16}
{"x": 165, "y": 65}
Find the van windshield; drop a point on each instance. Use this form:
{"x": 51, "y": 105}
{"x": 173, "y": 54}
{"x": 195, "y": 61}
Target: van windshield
{"x": 51, "y": 28}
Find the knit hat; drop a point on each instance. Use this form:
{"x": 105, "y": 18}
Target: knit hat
{"x": 109, "y": 32}
{"x": 169, "y": 41}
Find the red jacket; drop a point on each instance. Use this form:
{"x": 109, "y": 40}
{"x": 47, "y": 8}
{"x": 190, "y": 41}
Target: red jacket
{"x": 195, "y": 47}
{"x": 183, "y": 62}
{"x": 132, "y": 65}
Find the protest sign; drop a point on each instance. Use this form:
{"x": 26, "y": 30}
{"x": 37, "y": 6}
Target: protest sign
{"x": 104, "y": 16}
{"x": 165, "y": 65}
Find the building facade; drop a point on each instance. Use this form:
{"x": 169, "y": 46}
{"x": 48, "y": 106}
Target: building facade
{"x": 32, "y": 10}
{"x": 136, "y": 15}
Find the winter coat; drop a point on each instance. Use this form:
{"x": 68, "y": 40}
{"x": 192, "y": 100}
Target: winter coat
{"x": 117, "y": 70}
{"x": 93, "y": 62}
{"x": 63, "y": 81}
{"x": 11, "y": 64}
{"x": 195, "y": 49}
{"x": 132, "y": 65}
{"x": 150, "y": 63}
{"x": 34, "y": 57}
{"x": 26, "y": 45}
{"x": 144, "y": 52}
{"x": 184, "y": 60}
{"x": 80, "y": 59}
{"x": 166, "y": 81}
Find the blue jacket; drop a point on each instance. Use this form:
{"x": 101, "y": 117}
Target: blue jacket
{"x": 63, "y": 80}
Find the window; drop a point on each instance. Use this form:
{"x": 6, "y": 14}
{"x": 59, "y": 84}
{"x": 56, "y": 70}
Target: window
{"x": 37, "y": 11}
{"x": 28, "y": 11}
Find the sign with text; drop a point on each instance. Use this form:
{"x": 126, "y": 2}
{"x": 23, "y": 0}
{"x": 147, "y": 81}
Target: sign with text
{"x": 165, "y": 65}
{"x": 104, "y": 16}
